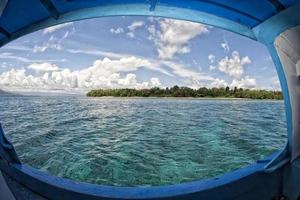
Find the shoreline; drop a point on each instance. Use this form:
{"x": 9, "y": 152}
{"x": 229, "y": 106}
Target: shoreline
{"x": 186, "y": 92}
{"x": 187, "y": 98}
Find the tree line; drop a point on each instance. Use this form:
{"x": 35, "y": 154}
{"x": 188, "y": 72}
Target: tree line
{"x": 177, "y": 91}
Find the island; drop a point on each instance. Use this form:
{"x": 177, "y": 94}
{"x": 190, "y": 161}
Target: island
{"x": 7, "y": 94}
{"x": 177, "y": 91}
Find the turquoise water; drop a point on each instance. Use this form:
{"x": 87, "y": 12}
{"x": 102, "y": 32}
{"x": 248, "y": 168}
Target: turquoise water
{"x": 130, "y": 142}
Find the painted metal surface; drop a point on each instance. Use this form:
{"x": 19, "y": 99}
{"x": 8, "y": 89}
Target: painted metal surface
{"x": 287, "y": 47}
{"x": 261, "y": 20}
{"x": 246, "y": 183}
{"x": 288, "y": 50}
{"x": 21, "y": 17}
{"x": 7, "y": 150}
{"x": 267, "y": 32}
{"x": 5, "y": 192}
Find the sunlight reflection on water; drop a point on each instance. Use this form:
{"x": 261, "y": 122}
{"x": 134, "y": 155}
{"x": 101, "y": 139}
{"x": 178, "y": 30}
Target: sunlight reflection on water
{"x": 131, "y": 142}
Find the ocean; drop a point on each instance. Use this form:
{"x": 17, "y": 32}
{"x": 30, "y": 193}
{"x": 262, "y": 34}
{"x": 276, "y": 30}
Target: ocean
{"x": 141, "y": 141}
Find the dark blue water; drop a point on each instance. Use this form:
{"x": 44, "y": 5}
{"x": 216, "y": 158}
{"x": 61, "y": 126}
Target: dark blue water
{"x": 129, "y": 142}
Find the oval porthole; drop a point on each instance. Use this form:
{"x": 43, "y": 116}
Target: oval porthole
{"x": 189, "y": 102}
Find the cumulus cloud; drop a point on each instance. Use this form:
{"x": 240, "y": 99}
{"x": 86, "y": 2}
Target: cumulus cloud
{"x": 42, "y": 67}
{"x": 152, "y": 32}
{"x": 211, "y": 58}
{"x": 155, "y": 82}
{"x": 118, "y": 30}
{"x": 234, "y": 65}
{"x": 132, "y": 28}
{"x": 166, "y": 67}
{"x": 104, "y": 73}
{"x": 218, "y": 83}
{"x": 56, "y": 27}
{"x": 108, "y": 66}
{"x": 245, "y": 82}
{"x": 174, "y": 35}
{"x": 275, "y": 83}
{"x": 154, "y": 64}
{"x": 192, "y": 77}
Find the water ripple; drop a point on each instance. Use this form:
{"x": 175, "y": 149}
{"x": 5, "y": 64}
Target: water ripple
{"x": 141, "y": 142}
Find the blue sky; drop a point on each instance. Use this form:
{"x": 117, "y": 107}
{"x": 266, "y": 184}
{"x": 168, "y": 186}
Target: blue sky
{"x": 134, "y": 52}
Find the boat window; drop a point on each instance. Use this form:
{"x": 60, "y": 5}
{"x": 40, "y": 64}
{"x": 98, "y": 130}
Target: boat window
{"x": 139, "y": 101}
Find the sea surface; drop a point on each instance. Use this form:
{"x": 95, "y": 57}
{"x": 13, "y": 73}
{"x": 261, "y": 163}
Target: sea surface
{"x": 141, "y": 141}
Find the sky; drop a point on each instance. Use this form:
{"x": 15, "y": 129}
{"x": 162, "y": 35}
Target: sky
{"x": 134, "y": 52}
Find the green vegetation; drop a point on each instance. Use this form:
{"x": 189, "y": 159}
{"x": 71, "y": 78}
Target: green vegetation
{"x": 177, "y": 91}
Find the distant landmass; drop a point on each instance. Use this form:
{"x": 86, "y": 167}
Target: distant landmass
{"x": 177, "y": 91}
{"x": 5, "y": 93}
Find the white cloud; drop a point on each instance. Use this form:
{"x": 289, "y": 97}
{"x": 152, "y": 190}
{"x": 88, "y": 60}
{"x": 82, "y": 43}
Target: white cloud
{"x": 67, "y": 33}
{"x": 118, "y": 30}
{"x": 212, "y": 67}
{"x": 152, "y": 32}
{"x": 245, "y": 82}
{"x": 166, "y": 67}
{"x": 10, "y": 56}
{"x": 218, "y": 83}
{"x": 54, "y": 42}
{"x": 132, "y": 28}
{"x": 4, "y": 65}
{"x": 155, "y": 82}
{"x": 182, "y": 71}
{"x": 193, "y": 78}
{"x": 155, "y": 65}
{"x": 174, "y": 35}
{"x": 225, "y": 46}
{"x": 233, "y": 66}
{"x": 7, "y": 55}
{"x": 275, "y": 83}
{"x": 211, "y": 58}
{"x": 135, "y": 25}
{"x": 37, "y": 48}
{"x": 16, "y": 47}
{"x": 45, "y": 46}
{"x": 104, "y": 73}
{"x": 56, "y": 27}
{"x": 130, "y": 34}
{"x": 107, "y": 66}
{"x": 108, "y": 54}
{"x": 42, "y": 67}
